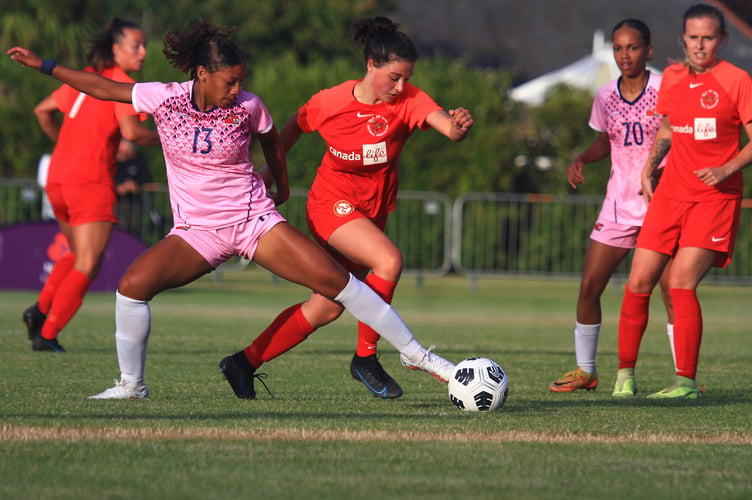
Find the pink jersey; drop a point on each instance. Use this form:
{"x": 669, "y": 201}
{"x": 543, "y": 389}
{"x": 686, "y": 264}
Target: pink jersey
{"x": 707, "y": 112}
{"x": 211, "y": 178}
{"x": 631, "y": 128}
{"x": 363, "y": 144}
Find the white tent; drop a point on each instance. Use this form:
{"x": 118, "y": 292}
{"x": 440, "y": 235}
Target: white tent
{"x": 588, "y": 73}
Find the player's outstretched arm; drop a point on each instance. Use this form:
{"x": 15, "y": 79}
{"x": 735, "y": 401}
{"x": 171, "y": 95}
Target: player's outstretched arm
{"x": 454, "y": 124}
{"x": 84, "y": 81}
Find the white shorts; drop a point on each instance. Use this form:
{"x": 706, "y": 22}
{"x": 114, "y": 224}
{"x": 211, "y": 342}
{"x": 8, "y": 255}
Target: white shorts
{"x": 615, "y": 235}
{"x": 218, "y": 245}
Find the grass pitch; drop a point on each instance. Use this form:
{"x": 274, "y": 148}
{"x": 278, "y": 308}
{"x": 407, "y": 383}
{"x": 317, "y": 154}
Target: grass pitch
{"x": 321, "y": 434}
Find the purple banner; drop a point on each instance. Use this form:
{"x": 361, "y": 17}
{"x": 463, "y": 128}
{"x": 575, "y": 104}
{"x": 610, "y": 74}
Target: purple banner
{"x": 28, "y": 252}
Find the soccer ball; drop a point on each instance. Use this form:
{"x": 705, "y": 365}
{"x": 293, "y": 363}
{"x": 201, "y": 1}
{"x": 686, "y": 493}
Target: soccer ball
{"x": 478, "y": 384}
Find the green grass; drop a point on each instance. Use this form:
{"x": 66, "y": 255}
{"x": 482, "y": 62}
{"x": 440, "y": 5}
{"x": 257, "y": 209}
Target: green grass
{"x": 322, "y": 435}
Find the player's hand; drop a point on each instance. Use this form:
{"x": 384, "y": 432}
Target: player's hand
{"x": 279, "y": 196}
{"x": 648, "y": 186}
{"x": 265, "y": 172}
{"x": 25, "y": 57}
{"x": 575, "y": 173}
{"x": 712, "y": 176}
{"x": 461, "y": 120}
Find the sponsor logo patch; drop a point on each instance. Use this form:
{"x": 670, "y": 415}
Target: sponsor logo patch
{"x": 373, "y": 154}
{"x": 705, "y": 129}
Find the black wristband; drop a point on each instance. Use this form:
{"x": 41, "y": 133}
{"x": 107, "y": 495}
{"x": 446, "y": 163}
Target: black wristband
{"x": 47, "y": 66}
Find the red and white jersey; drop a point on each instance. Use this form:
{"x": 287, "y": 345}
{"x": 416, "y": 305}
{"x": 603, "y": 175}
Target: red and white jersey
{"x": 707, "y": 112}
{"x": 363, "y": 144}
{"x": 211, "y": 178}
{"x": 89, "y": 134}
{"x": 631, "y": 127}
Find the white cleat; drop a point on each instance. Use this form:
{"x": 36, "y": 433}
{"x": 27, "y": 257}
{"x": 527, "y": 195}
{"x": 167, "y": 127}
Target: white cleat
{"x": 124, "y": 389}
{"x": 430, "y": 363}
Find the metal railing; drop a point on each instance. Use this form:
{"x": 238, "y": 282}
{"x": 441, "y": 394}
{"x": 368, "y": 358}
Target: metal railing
{"x": 476, "y": 235}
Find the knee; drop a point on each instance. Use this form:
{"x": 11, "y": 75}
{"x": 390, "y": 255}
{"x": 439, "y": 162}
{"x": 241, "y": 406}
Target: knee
{"x": 134, "y": 286}
{"x": 389, "y": 266}
{"x": 589, "y": 289}
{"x": 641, "y": 286}
{"x": 88, "y": 267}
{"x": 322, "y": 313}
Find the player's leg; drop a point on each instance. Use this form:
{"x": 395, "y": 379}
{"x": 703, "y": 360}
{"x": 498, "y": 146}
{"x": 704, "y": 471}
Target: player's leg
{"x": 170, "y": 263}
{"x": 666, "y": 298}
{"x": 89, "y": 242}
{"x": 689, "y": 267}
{"x": 600, "y": 263}
{"x": 287, "y": 252}
{"x": 362, "y": 243}
{"x": 708, "y": 234}
{"x": 647, "y": 267}
{"x": 35, "y": 315}
{"x": 87, "y": 209}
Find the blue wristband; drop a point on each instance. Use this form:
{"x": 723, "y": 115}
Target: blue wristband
{"x": 47, "y": 66}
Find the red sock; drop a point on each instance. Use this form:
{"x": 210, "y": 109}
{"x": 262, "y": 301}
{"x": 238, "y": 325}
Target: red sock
{"x": 687, "y": 330}
{"x": 633, "y": 320}
{"x": 59, "y": 271}
{"x": 287, "y": 330}
{"x": 68, "y": 299}
{"x": 367, "y": 336}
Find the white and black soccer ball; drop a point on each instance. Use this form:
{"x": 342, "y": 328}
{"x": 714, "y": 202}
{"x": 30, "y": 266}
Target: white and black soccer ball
{"x": 478, "y": 384}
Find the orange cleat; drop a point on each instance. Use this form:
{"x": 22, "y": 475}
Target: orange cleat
{"x": 572, "y": 381}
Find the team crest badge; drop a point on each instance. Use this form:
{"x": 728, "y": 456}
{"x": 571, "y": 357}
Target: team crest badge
{"x": 709, "y": 99}
{"x": 343, "y": 208}
{"x": 377, "y": 125}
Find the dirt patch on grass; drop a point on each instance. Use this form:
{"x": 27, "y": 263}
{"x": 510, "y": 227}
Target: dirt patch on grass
{"x": 25, "y": 433}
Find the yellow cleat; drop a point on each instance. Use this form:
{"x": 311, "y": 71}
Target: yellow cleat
{"x": 624, "y": 389}
{"x": 684, "y": 388}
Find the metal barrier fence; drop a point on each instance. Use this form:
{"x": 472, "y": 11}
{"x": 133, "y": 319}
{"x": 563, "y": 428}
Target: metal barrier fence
{"x": 477, "y": 235}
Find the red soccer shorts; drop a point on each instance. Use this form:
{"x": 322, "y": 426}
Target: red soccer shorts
{"x": 673, "y": 224}
{"x": 78, "y": 204}
{"x": 325, "y": 217}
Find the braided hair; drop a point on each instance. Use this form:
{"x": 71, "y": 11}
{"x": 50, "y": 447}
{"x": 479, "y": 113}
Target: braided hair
{"x": 204, "y": 45}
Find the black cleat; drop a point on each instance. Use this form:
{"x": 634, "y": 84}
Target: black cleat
{"x": 239, "y": 373}
{"x": 369, "y": 371}
{"x": 39, "y": 343}
{"x": 33, "y": 319}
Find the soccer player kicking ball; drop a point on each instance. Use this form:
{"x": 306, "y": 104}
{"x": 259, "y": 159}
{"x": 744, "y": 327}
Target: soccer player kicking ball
{"x": 219, "y": 204}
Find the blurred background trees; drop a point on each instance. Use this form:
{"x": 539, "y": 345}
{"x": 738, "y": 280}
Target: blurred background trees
{"x": 296, "y": 48}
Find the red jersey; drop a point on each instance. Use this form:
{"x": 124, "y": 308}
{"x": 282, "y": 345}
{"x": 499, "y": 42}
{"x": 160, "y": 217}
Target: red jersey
{"x": 363, "y": 144}
{"x": 706, "y": 112}
{"x": 89, "y": 136}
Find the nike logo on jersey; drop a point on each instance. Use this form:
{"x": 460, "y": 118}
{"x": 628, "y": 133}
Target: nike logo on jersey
{"x": 364, "y": 115}
{"x": 694, "y": 85}
{"x": 716, "y": 240}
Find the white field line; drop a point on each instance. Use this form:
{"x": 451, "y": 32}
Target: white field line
{"x": 26, "y": 433}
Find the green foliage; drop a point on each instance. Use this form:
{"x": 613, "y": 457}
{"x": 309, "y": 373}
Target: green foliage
{"x": 296, "y": 48}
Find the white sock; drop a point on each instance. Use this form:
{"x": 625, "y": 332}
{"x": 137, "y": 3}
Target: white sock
{"x": 586, "y": 345}
{"x": 369, "y": 308}
{"x": 670, "y": 333}
{"x": 132, "y": 327}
